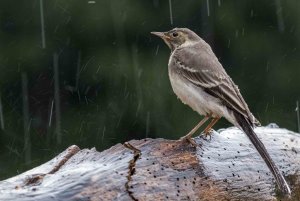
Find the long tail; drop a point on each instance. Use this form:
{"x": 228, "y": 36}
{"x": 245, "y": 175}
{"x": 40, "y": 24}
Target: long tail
{"x": 247, "y": 128}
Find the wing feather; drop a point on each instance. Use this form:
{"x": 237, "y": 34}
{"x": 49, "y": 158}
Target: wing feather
{"x": 195, "y": 63}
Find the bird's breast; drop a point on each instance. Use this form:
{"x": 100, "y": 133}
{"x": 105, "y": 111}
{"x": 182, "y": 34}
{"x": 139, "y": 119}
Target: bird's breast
{"x": 196, "y": 97}
{"x": 188, "y": 94}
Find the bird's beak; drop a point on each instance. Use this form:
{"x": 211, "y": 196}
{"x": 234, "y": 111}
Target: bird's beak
{"x": 161, "y": 35}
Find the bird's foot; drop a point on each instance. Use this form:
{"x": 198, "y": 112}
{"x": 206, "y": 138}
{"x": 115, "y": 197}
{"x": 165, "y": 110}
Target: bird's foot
{"x": 207, "y": 134}
{"x": 188, "y": 139}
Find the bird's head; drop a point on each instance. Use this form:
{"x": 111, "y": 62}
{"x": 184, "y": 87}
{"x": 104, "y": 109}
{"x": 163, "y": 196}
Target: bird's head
{"x": 177, "y": 37}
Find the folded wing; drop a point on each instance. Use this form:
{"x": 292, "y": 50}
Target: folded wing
{"x": 199, "y": 65}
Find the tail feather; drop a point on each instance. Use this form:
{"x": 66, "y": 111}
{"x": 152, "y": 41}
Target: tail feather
{"x": 247, "y": 128}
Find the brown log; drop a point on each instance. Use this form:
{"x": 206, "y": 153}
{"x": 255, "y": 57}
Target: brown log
{"x": 225, "y": 167}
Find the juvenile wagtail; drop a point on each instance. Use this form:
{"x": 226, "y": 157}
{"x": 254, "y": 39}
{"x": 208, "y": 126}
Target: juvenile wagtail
{"x": 200, "y": 81}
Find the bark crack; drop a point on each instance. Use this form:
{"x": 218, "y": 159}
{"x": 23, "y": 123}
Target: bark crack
{"x": 36, "y": 179}
{"x": 131, "y": 168}
{"x": 71, "y": 152}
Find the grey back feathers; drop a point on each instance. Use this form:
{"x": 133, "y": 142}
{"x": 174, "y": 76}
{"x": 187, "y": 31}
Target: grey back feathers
{"x": 199, "y": 80}
{"x": 196, "y": 62}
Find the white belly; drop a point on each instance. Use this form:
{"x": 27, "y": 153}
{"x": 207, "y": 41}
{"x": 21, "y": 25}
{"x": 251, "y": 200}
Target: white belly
{"x": 199, "y": 100}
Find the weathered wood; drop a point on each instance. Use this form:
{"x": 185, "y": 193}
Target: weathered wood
{"x": 226, "y": 167}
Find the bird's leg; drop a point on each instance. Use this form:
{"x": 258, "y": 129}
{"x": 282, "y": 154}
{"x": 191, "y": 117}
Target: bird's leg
{"x": 190, "y": 134}
{"x": 207, "y": 130}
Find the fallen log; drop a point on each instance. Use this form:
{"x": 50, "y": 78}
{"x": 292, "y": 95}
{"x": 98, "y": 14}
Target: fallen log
{"x": 225, "y": 167}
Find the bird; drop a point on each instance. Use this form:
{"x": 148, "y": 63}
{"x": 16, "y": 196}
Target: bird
{"x": 200, "y": 81}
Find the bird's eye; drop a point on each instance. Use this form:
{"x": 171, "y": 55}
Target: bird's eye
{"x": 175, "y": 34}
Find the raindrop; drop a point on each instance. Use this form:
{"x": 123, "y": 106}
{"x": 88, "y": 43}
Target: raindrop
{"x": 280, "y": 21}
{"x": 138, "y": 108}
{"x": 98, "y": 69}
{"x": 103, "y": 133}
{"x": 42, "y": 25}
{"x": 157, "y": 50}
{"x": 78, "y": 70}
{"x": 51, "y": 112}
{"x": 56, "y": 98}
{"x": 267, "y": 107}
{"x": 207, "y": 4}
{"x": 68, "y": 19}
{"x": 171, "y": 14}
{"x": 268, "y": 64}
{"x": 236, "y": 33}
{"x": 26, "y": 122}
{"x": 228, "y": 45}
{"x": 86, "y": 64}
{"x": 1, "y": 114}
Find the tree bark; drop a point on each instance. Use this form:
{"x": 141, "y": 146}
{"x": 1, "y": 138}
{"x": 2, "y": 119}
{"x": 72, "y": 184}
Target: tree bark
{"x": 225, "y": 167}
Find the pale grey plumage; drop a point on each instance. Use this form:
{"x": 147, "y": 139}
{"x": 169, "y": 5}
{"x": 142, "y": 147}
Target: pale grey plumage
{"x": 197, "y": 63}
{"x": 200, "y": 81}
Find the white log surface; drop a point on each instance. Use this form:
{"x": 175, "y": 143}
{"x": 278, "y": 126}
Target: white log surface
{"x": 226, "y": 167}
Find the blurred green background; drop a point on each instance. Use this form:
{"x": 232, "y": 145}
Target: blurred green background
{"x": 111, "y": 82}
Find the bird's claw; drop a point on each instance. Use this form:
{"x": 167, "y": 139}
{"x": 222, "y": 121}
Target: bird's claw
{"x": 188, "y": 139}
{"x": 207, "y": 134}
